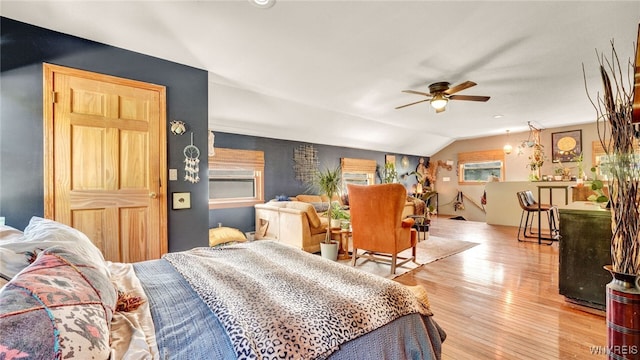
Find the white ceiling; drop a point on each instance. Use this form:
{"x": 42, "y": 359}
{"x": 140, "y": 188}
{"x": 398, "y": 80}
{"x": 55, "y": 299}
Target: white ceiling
{"x": 331, "y": 72}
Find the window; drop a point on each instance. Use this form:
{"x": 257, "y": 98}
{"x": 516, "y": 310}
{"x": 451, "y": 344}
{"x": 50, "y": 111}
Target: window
{"x": 236, "y": 178}
{"x": 357, "y": 171}
{"x": 480, "y": 166}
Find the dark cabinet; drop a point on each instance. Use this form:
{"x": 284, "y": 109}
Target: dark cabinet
{"x": 585, "y": 247}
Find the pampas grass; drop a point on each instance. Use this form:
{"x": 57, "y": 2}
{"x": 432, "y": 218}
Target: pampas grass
{"x": 618, "y": 136}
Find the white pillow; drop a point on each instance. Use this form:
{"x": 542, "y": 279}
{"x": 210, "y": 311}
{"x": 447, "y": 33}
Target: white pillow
{"x": 7, "y": 233}
{"x": 41, "y": 234}
{"x": 10, "y": 262}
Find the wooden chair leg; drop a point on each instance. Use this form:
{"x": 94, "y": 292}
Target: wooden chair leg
{"x": 354, "y": 256}
{"x": 394, "y": 258}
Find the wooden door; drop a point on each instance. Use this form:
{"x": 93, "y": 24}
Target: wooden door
{"x": 105, "y": 161}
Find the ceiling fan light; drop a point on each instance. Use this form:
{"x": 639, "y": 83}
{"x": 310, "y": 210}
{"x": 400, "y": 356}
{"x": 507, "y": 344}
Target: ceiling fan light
{"x": 439, "y": 102}
{"x": 263, "y": 4}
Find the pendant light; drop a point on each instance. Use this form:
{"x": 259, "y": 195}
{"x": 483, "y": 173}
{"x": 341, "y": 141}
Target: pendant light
{"x": 507, "y": 147}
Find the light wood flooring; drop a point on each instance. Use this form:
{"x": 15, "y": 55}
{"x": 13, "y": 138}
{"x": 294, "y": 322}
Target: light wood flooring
{"x": 500, "y": 300}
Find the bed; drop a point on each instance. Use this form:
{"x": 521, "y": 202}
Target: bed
{"x": 245, "y": 300}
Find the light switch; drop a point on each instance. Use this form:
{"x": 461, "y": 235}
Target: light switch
{"x": 173, "y": 174}
{"x": 446, "y": 178}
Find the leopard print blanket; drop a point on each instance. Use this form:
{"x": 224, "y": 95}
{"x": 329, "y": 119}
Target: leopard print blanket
{"x": 277, "y": 302}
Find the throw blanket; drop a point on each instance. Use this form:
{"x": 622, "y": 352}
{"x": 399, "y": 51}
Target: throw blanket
{"x": 278, "y": 302}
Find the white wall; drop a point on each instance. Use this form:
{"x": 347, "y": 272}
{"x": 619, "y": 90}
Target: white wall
{"x": 515, "y": 165}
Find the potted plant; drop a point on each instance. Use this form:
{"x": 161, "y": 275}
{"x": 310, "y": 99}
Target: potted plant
{"x": 328, "y": 183}
{"x": 340, "y": 215}
{"x": 390, "y": 174}
{"x": 614, "y": 109}
{"x": 536, "y": 159}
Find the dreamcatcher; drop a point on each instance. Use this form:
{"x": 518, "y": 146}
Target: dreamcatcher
{"x": 191, "y": 160}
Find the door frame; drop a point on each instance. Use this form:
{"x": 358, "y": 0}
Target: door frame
{"x": 49, "y": 99}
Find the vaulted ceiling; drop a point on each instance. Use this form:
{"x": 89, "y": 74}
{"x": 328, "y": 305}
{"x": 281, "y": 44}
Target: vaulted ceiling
{"x": 332, "y": 72}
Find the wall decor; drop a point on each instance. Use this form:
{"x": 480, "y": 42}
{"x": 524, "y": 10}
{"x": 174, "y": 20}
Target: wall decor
{"x": 305, "y": 163}
{"x": 181, "y": 200}
{"x": 192, "y": 161}
{"x": 566, "y": 145}
{"x": 178, "y": 127}
{"x": 390, "y": 159}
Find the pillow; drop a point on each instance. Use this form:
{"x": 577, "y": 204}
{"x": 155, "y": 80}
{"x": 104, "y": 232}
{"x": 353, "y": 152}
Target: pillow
{"x": 221, "y": 235}
{"x": 7, "y": 233}
{"x": 10, "y": 262}
{"x": 58, "y": 307}
{"x": 41, "y": 234}
{"x": 320, "y": 207}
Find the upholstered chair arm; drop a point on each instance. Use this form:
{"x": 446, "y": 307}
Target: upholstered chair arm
{"x": 408, "y": 222}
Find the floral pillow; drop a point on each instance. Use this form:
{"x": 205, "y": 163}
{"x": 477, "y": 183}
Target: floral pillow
{"x": 60, "y": 306}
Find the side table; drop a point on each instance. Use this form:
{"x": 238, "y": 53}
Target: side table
{"x": 343, "y": 250}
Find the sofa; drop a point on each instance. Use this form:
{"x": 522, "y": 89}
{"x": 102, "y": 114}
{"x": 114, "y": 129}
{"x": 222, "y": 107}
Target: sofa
{"x": 413, "y": 206}
{"x": 295, "y": 223}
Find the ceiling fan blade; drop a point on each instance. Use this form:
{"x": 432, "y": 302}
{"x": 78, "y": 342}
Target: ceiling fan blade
{"x": 441, "y": 110}
{"x": 416, "y": 92}
{"x": 460, "y": 87}
{"x": 413, "y": 103}
{"x": 469, "y": 97}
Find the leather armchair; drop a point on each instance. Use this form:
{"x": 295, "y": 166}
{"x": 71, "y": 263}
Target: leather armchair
{"x": 377, "y": 224}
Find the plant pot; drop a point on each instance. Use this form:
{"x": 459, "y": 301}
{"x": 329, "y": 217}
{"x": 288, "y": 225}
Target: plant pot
{"x": 329, "y": 250}
{"x": 335, "y": 223}
{"x": 623, "y": 312}
{"x": 345, "y": 224}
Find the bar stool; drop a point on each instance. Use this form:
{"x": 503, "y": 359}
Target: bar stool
{"x": 530, "y": 208}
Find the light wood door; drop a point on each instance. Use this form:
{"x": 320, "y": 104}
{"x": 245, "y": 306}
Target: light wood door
{"x": 105, "y": 161}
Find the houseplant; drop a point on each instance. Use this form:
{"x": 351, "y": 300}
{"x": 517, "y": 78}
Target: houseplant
{"x": 617, "y": 135}
{"x": 328, "y": 183}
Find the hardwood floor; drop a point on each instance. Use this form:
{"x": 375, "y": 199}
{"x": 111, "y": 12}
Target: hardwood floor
{"x": 500, "y": 300}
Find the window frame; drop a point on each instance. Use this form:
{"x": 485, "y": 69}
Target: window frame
{"x": 233, "y": 160}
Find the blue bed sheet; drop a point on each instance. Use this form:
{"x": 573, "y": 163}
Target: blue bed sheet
{"x": 187, "y": 329}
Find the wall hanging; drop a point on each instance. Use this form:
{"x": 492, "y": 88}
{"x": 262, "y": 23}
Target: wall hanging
{"x": 178, "y": 127}
{"x": 192, "y": 161}
{"x": 305, "y": 163}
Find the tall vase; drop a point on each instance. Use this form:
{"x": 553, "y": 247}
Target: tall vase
{"x": 623, "y": 316}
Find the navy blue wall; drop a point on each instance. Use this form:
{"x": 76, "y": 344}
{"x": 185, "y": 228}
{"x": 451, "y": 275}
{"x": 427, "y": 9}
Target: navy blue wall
{"x": 279, "y": 177}
{"x": 23, "y": 50}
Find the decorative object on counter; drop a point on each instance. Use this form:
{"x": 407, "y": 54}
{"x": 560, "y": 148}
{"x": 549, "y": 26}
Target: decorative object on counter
{"x": 192, "y": 161}
{"x": 614, "y": 109}
{"x": 178, "y": 127}
{"x": 305, "y": 163}
{"x": 211, "y": 151}
{"x": 580, "y": 166}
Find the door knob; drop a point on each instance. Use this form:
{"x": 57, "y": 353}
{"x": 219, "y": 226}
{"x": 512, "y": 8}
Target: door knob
{"x": 153, "y": 195}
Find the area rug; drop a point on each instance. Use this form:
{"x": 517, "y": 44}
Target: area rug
{"x": 432, "y": 249}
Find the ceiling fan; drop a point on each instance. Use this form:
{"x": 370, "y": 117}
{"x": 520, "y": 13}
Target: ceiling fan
{"x": 440, "y": 93}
